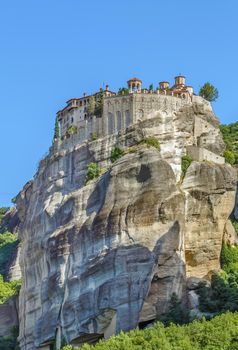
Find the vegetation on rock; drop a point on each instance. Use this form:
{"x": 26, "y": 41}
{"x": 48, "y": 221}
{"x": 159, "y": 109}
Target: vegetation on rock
{"x": 177, "y": 313}
{"x": 94, "y": 136}
{"x": 8, "y": 289}
{"x": 185, "y": 163}
{"x": 123, "y": 91}
{"x": 93, "y": 171}
{"x": 235, "y": 225}
{"x": 152, "y": 141}
{"x": 3, "y": 211}
{"x": 116, "y": 153}
{"x": 219, "y": 333}
{"x": 229, "y": 157}
{"x": 8, "y": 244}
{"x": 72, "y": 130}
{"x": 223, "y": 294}
{"x": 10, "y": 343}
{"x": 56, "y": 130}
{"x": 230, "y": 137}
{"x": 209, "y": 92}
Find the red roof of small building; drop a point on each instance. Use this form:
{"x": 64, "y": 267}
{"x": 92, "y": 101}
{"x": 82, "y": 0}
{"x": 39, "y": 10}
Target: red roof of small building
{"x": 135, "y": 79}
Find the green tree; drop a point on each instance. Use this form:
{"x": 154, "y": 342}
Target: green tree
{"x": 123, "y": 91}
{"x": 229, "y": 157}
{"x": 177, "y": 312}
{"x": 91, "y": 105}
{"x": 209, "y": 92}
{"x": 151, "y": 141}
{"x": 99, "y": 99}
{"x": 151, "y": 87}
{"x": 56, "y": 130}
{"x": 116, "y": 154}
{"x": 93, "y": 172}
{"x": 185, "y": 164}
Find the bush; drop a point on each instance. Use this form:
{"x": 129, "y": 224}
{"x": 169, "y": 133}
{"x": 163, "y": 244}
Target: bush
{"x": 219, "y": 333}
{"x": 8, "y": 244}
{"x": 8, "y": 289}
{"x": 10, "y": 343}
{"x": 152, "y": 141}
{"x": 93, "y": 171}
{"x": 223, "y": 294}
{"x": 230, "y": 137}
{"x": 186, "y": 161}
{"x": 94, "y": 136}
{"x": 3, "y": 211}
{"x": 116, "y": 154}
{"x": 235, "y": 225}
{"x": 229, "y": 255}
{"x": 72, "y": 130}
{"x": 229, "y": 157}
{"x": 177, "y": 312}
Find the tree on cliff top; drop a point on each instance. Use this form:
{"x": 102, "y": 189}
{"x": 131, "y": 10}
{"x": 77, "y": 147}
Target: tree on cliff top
{"x": 56, "y": 130}
{"x": 209, "y": 92}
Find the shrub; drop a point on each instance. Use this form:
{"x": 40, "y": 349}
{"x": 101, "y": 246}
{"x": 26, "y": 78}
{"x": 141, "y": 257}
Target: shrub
{"x": 94, "y": 136}
{"x": 186, "y": 161}
{"x": 177, "y": 312}
{"x": 8, "y": 289}
{"x": 235, "y": 225}
{"x": 223, "y": 294}
{"x": 152, "y": 141}
{"x": 8, "y": 244}
{"x": 10, "y": 342}
{"x": 93, "y": 171}
{"x": 219, "y": 333}
{"x": 72, "y": 130}
{"x": 229, "y": 255}
{"x": 3, "y": 211}
{"x": 229, "y": 157}
{"x": 116, "y": 154}
{"x": 230, "y": 137}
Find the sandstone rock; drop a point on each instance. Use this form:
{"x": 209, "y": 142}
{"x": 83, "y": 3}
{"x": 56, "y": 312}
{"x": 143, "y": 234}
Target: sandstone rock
{"x": 230, "y": 235}
{"x": 103, "y": 257}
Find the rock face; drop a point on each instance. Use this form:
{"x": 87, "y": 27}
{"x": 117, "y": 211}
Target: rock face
{"x": 8, "y": 317}
{"x": 105, "y": 256}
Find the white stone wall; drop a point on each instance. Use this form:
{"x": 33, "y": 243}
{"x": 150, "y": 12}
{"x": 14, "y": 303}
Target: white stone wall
{"x": 117, "y": 114}
{"x": 200, "y": 154}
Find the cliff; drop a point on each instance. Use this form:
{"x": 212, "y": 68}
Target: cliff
{"x": 105, "y": 256}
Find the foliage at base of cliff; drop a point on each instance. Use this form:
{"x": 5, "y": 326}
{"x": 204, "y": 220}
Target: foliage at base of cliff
{"x": 8, "y": 245}
{"x": 223, "y": 294}
{"x": 10, "y": 343}
{"x": 230, "y": 136}
{"x": 219, "y": 333}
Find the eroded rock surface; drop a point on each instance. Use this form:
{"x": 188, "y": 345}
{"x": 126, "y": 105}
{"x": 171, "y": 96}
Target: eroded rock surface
{"x": 102, "y": 257}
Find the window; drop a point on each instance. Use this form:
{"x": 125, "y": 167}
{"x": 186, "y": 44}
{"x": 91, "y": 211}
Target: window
{"x": 72, "y": 120}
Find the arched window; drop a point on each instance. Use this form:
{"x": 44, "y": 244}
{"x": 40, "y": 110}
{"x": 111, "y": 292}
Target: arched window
{"x": 119, "y": 120}
{"x": 111, "y": 124}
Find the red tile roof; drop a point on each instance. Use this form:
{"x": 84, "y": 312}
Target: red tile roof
{"x": 135, "y": 79}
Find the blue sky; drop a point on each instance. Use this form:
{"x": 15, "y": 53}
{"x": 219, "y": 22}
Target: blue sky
{"x": 52, "y": 50}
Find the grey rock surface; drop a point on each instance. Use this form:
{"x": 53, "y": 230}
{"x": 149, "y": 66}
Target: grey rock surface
{"x": 102, "y": 257}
